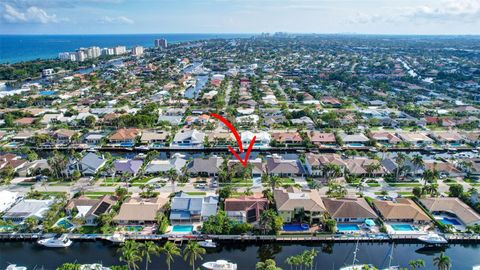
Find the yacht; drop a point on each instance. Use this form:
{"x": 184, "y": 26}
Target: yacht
{"x": 433, "y": 238}
{"x": 15, "y": 267}
{"x": 390, "y": 258}
{"x": 220, "y": 265}
{"x": 55, "y": 242}
{"x": 207, "y": 244}
{"x": 354, "y": 265}
{"x": 116, "y": 238}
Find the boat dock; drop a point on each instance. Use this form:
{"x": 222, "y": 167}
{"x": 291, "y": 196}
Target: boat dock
{"x": 179, "y": 239}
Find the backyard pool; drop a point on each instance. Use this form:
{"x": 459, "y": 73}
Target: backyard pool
{"x": 403, "y": 227}
{"x": 47, "y": 93}
{"x": 347, "y": 227}
{"x": 182, "y": 228}
{"x": 134, "y": 228}
{"x": 64, "y": 223}
{"x": 449, "y": 221}
{"x": 295, "y": 227}
{"x": 355, "y": 144}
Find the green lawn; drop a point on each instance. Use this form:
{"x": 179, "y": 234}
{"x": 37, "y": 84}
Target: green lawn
{"x": 96, "y": 194}
{"x": 411, "y": 184}
{"x": 196, "y": 193}
{"x": 61, "y": 184}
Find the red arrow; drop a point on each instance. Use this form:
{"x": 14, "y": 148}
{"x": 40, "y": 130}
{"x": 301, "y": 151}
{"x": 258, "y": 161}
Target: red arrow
{"x": 239, "y": 141}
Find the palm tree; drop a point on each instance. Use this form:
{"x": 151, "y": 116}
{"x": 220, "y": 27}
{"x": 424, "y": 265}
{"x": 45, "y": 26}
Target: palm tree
{"x": 130, "y": 254}
{"x": 290, "y": 261}
{"x": 272, "y": 181}
{"x": 173, "y": 177}
{"x": 400, "y": 160}
{"x": 149, "y": 248}
{"x": 417, "y": 161}
{"x": 193, "y": 251}
{"x": 442, "y": 262}
{"x": 415, "y": 264}
{"x": 170, "y": 250}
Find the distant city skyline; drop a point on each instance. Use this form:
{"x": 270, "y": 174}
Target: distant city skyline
{"x": 432, "y": 17}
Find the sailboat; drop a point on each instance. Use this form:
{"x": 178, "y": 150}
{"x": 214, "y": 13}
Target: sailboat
{"x": 354, "y": 265}
{"x": 390, "y": 267}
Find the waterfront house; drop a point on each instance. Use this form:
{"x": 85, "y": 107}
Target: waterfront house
{"x": 471, "y": 166}
{"x": 137, "y": 210}
{"x": 472, "y": 137}
{"x": 93, "y": 138}
{"x": 355, "y": 210}
{"x": 295, "y": 205}
{"x": 173, "y": 116}
{"x": 315, "y": 163}
{"x": 385, "y": 138}
{"x": 124, "y": 137}
{"x": 90, "y": 209}
{"x": 127, "y": 166}
{"x": 7, "y": 199}
{"x": 279, "y": 166}
{"x": 448, "y": 209}
{"x": 321, "y": 139}
{"x": 262, "y": 139}
{"x": 444, "y": 168}
{"x": 245, "y": 209}
{"x": 154, "y": 138}
{"x": 221, "y": 139}
{"x": 330, "y": 101}
{"x": 354, "y": 140}
{"x": 34, "y": 167}
{"x": 209, "y": 166}
{"x": 177, "y": 163}
{"x": 188, "y": 138}
{"x": 27, "y": 208}
{"x": 286, "y": 138}
{"x": 415, "y": 138}
{"x": 63, "y": 136}
{"x": 401, "y": 210}
{"x": 186, "y": 208}
{"x": 450, "y": 137}
{"x": 91, "y": 163}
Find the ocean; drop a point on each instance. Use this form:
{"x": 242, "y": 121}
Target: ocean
{"x": 17, "y": 48}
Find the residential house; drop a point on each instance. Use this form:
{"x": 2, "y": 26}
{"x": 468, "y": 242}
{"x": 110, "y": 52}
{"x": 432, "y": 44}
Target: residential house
{"x": 354, "y": 140}
{"x": 137, "y": 210}
{"x": 27, "y": 208}
{"x": 331, "y": 101}
{"x": 127, "y": 166}
{"x": 360, "y": 166}
{"x": 385, "y": 138}
{"x": 415, "y": 138}
{"x": 154, "y": 138}
{"x": 444, "y": 168}
{"x": 245, "y": 209}
{"x": 209, "y": 166}
{"x": 221, "y": 138}
{"x": 93, "y": 138}
{"x": 173, "y": 116}
{"x": 472, "y": 137}
{"x": 355, "y": 210}
{"x": 13, "y": 161}
{"x": 262, "y": 139}
{"x": 295, "y": 205}
{"x": 89, "y": 209}
{"x": 401, "y": 210}
{"x": 321, "y": 139}
{"x": 471, "y": 166}
{"x": 177, "y": 163}
{"x": 63, "y": 136}
{"x": 304, "y": 120}
{"x": 124, "y": 137}
{"x": 91, "y": 163}
{"x": 452, "y": 207}
{"x": 277, "y": 165}
{"x": 256, "y": 165}
{"x": 187, "y": 208}
{"x": 7, "y": 199}
{"x": 189, "y": 138}
{"x": 450, "y": 137}
{"x": 286, "y": 138}
{"x": 315, "y": 163}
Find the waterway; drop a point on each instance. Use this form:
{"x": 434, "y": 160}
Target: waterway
{"x": 330, "y": 256}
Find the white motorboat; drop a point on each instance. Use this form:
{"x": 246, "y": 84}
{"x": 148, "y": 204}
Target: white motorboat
{"x": 95, "y": 266}
{"x": 55, "y": 242}
{"x": 15, "y": 267}
{"x": 433, "y": 238}
{"x": 116, "y": 238}
{"x": 207, "y": 244}
{"x": 220, "y": 265}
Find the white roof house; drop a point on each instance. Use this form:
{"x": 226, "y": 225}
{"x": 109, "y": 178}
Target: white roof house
{"x": 262, "y": 139}
{"x": 28, "y": 208}
{"x": 7, "y": 199}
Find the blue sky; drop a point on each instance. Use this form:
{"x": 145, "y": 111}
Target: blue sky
{"x": 239, "y": 16}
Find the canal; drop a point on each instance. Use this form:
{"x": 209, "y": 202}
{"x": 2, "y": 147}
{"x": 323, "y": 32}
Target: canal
{"x": 330, "y": 256}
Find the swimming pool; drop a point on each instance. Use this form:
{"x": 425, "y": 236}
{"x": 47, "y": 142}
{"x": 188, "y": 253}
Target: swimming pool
{"x": 295, "y": 227}
{"x": 46, "y": 93}
{"x": 182, "y": 228}
{"x": 134, "y": 228}
{"x": 347, "y": 227}
{"x": 64, "y": 223}
{"x": 355, "y": 144}
{"x": 449, "y": 221}
{"x": 403, "y": 227}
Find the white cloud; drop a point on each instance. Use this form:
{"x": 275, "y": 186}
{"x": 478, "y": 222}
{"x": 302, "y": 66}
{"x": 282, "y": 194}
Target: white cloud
{"x": 119, "y": 19}
{"x": 30, "y": 15}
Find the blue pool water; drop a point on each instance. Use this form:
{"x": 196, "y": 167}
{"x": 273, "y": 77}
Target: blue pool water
{"x": 449, "y": 221}
{"x": 403, "y": 227}
{"x": 126, "y": 144}
{"x": 456, "y": 144}
{"x": 134, "y": 228}
{"x": 64, "y": 223}
{"x": 295, "y": 227}
{"x": 47, "y": 93}
{"x": 347, "y": 227}
{"x": 182, "y": 228}
{"x": 355, "y": 144}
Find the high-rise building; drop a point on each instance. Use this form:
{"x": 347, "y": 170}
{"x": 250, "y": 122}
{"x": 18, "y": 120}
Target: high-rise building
{"x": 161, "y": 43}
{"x": 137, "y": 50}
{"x": 119, "y": 50}
{"x": 108, "y": 51}
{"x": 64, "y": 56}
{"x": 80, "y": 55}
